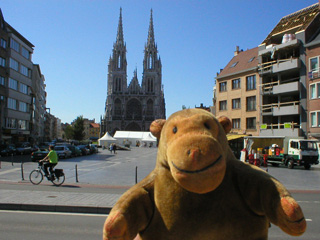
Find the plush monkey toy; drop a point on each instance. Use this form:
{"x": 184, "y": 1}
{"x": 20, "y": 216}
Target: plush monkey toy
{"x": 199, "y": 190}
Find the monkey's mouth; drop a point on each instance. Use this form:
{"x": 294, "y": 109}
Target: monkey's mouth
{"x": 199, "y": 170}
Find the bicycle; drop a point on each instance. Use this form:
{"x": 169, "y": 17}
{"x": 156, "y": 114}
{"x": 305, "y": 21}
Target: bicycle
{"x": 36, "y": 175}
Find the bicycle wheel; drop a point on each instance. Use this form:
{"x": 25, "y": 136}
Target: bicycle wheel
{"x": 58, "y": 180}
{"x": 36, "y": 177}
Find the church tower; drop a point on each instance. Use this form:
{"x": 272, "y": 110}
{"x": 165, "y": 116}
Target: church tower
{"x": 133, "y": 107}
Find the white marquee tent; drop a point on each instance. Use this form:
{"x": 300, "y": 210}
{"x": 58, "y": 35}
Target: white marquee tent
{"x": 106, "y": 140}
{"x": 133, "y": 137}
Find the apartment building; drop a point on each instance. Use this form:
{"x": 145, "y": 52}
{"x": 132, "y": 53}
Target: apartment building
{"x": 313, "y": 89}
{"x": 237, "y": 92}
{"x": 283, "y": 73}
{"x": 4, "y": 55}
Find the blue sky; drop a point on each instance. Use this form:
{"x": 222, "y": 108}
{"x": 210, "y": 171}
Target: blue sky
{"x": 74, "y": 38}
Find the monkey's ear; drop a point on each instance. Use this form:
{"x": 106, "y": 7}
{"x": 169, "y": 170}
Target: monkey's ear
{"x": 226, "y": 123}
{"x": 156, "y": 127}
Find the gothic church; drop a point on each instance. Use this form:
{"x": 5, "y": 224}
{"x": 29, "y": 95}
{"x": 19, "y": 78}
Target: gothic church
{"x": 133, "y": 107}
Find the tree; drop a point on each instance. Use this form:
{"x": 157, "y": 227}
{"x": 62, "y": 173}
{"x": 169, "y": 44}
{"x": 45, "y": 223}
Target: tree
{"x": 78, "y": 129}
{"x": 69, "y": 132}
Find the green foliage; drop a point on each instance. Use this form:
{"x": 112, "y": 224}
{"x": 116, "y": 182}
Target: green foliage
{"x": 78, "y": 129}
{"x": 69, "y": 134}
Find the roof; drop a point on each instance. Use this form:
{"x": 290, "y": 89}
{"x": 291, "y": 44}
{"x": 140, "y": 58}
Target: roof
{"x": 243, "y": 61}
{"x": 131, "y": 134}
{"x": 95, "y": 125}
{"x": 295, "y": 22}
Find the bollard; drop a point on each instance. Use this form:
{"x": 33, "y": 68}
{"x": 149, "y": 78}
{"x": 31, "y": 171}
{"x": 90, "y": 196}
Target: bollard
{"x": 22, "y": 175}
{"x": 136, "y": 174}
{"x": 77, "y": 173}
{"x": 12, "y": 159}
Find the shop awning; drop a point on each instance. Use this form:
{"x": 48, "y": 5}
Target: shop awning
{"x": 234, "y": 136}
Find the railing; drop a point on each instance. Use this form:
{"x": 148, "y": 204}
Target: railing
{"x": 267, "y": 66}
{"x": 268, "y": 87}
{"x": 315, "y": 73}
{"x": 286, "y": 125}
{"x": 269, "y": 107}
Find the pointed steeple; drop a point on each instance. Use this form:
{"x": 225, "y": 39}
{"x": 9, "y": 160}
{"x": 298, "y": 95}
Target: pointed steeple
{"x": 120, "y": 40}
{"x": 151, "y": 41}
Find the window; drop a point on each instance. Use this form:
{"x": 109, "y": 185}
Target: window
{"x": 13, "y": 84}
{"x": 236, "y": 123}
{"x": 315, "y": 90}
{"x": 236, "y": 83}
{"x": 118, "y": 84}
{"x": 24, "y": 70}
{"x": 251, "y": 59}
{"x": 25, "y": 53}
{"x": 314, "y": 64}
{"x": 11, "y": 123}
{"x": 22, "y": 124}
{"x": 14, "y": 64}
{"x": 150, "y": 62}
{"x": 23, "y": 88}
{"x": 251, "y": 103}
{"x": 2, "y": 62}
{"x": 223, "y": 105}
{"x": 150, "y": 85}
{"x": 23, "y": 107}
{"x": 223, "y": 86}
{"x": 12, "y": 103}
{"x": 119, "y": 60}
{"x": 251, "y": 123}
{"x": 3, "y": 43}
{"x": 15, "y": 45}
{"x": 2, "y": 80}
{"x": 251, "y": 82}
{"x": 236, "y": 103}
{"x": 315, "y": 119}
{"x": 234, "y": 64}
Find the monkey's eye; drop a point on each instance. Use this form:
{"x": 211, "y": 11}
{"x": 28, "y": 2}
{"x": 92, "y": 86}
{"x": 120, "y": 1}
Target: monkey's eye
{"x": 207, "y": 126}
{"x": 175, "y": 130}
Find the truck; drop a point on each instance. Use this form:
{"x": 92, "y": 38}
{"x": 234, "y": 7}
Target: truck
{"x": 283, "y": 150}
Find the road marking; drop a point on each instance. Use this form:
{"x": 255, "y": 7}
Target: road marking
{"x": 9, "y": 171}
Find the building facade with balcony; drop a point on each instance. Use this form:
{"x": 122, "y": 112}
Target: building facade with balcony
{"x": 283, "y": 74}
{"x": 237, "y": 92}
{"x": 133, "y": 107}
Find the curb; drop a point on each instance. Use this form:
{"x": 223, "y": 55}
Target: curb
{"x": 54, "y": 208}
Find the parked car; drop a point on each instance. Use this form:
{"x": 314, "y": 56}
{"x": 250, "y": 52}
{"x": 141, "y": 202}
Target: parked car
{"x": 93, "y": 148}
{"x": 24, "y": 148}
{"x": 75, "y": 150}
{"x": 40, "y": 154}
{"x": 84, "y": 149}
{"x": 8, "y": 150}
{"x": 63, "y": 151}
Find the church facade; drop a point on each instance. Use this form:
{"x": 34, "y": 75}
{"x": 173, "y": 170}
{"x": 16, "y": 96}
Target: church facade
{"x": 133, "y": 107}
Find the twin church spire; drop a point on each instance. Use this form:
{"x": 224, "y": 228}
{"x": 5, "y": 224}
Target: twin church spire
{"x": 118, "y": 63}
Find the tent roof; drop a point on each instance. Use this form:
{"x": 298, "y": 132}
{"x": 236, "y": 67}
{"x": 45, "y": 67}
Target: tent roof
{"x": 107, "y": 136}
{"x": 149, "y": 138}
{"x": 131, "y": 134}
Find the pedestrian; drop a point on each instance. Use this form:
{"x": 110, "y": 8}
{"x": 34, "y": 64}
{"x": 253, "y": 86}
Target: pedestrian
{"x": 114, "y": 148}
{"x": 51, "y": 160}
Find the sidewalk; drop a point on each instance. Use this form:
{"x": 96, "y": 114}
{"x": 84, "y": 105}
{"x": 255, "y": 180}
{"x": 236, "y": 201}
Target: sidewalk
{"x": 82, "y": 199}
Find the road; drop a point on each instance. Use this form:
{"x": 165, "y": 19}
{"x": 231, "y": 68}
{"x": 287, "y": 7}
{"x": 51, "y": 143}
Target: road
{"x": 50, "y": 226}
{"x": 119, "y": 169}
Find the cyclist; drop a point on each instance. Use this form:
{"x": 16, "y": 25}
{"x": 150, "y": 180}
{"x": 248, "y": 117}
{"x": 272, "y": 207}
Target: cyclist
{"x": 51, "y": 161}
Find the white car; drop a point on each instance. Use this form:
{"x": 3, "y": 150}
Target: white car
{"x": 63, "y": 151}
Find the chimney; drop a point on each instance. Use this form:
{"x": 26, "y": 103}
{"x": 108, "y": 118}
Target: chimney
{"x": 237, "y": 49}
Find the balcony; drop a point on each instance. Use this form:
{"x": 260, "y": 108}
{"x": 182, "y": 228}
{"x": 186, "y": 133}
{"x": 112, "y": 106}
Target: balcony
{"x": 281, "y": 109}
{"x": 279, "y": 65}
{"x": 278, "y": 47}
{"x": 286, "y": 129}
{"x": 277, "y": 88}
